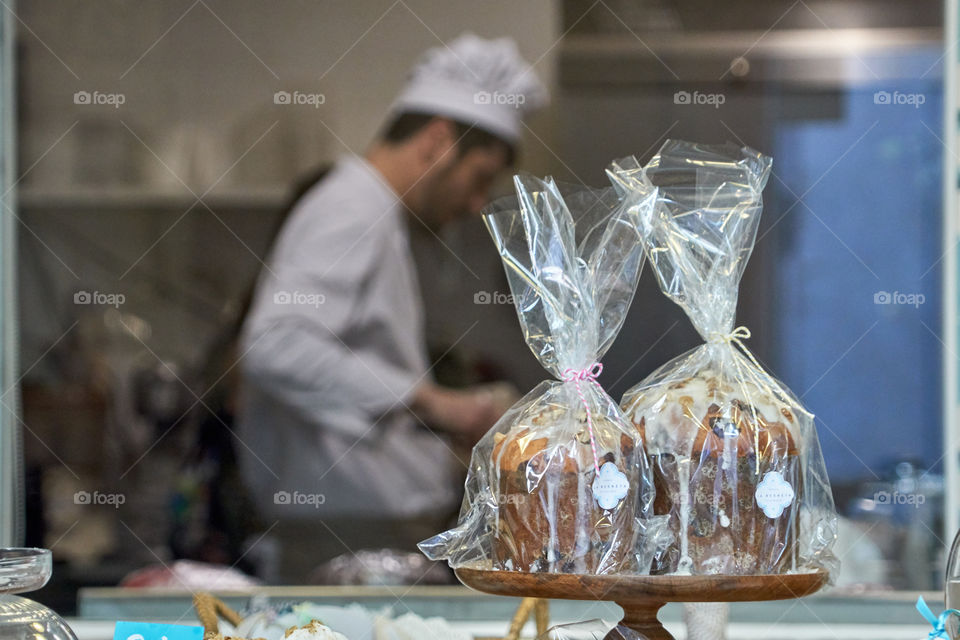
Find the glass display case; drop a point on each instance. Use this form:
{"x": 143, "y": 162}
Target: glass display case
{"x": 23, "y": 570}
{"x": 951, "y": 299}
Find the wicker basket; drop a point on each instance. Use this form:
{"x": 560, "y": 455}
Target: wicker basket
{"x": 536, "y": 607}
{"x": 210, "y": 610}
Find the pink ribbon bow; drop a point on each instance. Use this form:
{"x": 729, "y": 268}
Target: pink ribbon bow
{"x": 589, "y": 374}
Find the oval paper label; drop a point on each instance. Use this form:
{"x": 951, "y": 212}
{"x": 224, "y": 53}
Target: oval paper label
{"x": 610, "y": 486}
{"x": 774, "y": 494}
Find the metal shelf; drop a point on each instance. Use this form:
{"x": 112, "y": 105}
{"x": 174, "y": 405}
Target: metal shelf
{"x": 133, "y": 198}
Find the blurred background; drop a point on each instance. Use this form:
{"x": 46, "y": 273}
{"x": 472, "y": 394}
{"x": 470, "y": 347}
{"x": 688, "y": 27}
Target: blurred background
{"x": 154, "y": 165}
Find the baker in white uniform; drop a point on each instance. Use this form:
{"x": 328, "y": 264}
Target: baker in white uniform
{"x": 344, "y": 437}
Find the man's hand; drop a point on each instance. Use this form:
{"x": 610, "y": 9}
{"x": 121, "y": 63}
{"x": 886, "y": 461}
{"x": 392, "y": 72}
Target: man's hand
{"x": 464, "y": 414}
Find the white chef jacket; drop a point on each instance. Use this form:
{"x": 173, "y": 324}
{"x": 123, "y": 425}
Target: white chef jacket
{"x": 331, "y": 351}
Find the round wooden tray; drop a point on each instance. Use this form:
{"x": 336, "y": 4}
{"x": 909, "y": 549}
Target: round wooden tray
{"x": 642, "y": 596}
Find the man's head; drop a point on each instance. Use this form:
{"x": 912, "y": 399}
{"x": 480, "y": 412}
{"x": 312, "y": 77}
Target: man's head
{"x": 450, "y": 166}
{"x": 455, "y": 124}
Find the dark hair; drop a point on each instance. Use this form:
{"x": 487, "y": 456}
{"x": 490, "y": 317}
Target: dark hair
{"x": 404, "y": 125}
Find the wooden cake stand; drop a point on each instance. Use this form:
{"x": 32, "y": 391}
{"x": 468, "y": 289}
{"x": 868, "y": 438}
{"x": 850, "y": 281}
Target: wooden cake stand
{"x": 642, "y": 596}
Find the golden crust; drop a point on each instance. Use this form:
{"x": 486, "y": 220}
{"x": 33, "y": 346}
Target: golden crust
{"x": 517, "y": 448}
{"x": 314, "y": 626}
{"x": 755, "y": 429}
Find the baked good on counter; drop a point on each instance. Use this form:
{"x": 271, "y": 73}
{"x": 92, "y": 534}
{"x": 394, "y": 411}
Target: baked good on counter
{"x": 556, "y": 485}
{"x": 410, "y": 626}
{"x": 549, "y": 518}
{"x": 314, "y": 630}
{"x": 726, "y": 470}
{"x": 735, "y": 457}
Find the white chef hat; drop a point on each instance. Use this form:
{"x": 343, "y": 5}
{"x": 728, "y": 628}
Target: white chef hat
{"x": 475, "y": 81}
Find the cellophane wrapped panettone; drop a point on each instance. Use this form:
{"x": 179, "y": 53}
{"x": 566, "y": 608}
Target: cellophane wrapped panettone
{"x": 735, "y": 457}
{"x": 560, "y": 484}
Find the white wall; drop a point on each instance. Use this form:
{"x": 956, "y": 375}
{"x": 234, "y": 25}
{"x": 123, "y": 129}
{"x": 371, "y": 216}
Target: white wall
{"x": 189, "y": 78}
{"x": 197, "y": 81}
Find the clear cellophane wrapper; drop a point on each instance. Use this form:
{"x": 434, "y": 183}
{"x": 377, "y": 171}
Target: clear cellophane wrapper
{"x": 735, "y": 457}
{"x": 535, "y": 501}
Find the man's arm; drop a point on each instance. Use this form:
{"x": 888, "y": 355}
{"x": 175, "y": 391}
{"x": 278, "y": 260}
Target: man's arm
{"x": 309, "y": 368}
{"x": 308, "y": 372}
{"x": 294, "y": 352}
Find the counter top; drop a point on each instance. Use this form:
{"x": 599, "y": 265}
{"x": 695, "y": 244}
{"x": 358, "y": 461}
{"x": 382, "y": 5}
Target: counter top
{"x": 103, "y": 630}
{"x": 831, "y": 615}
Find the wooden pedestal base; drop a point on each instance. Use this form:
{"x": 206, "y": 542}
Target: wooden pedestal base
{"x": 642, "y": 596}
